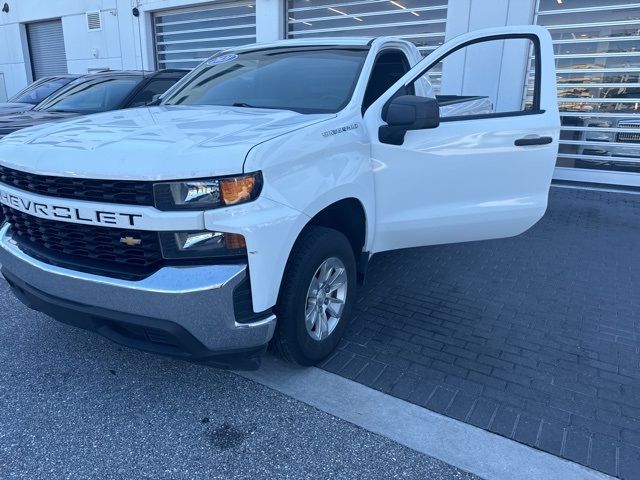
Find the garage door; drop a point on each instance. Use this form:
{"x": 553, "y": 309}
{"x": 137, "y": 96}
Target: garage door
{"x": 46, "y": 48}
{"x": 597, "y": 49}
{"x": 419, "y": 21}
{"x": 186, "y": 37}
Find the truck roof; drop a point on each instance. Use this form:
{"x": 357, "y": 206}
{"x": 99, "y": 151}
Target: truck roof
{"x": 347, "y": 41}
{"x": 330, "y": 41}
{"x": 321, "y": 41}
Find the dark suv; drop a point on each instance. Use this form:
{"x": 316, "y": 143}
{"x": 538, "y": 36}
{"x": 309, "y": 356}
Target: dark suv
{"x": 94, "y": 93}
{"x": 33, "y": 94}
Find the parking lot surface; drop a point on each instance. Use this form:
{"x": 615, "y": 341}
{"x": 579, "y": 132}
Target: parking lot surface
{"x": 76, "y": 406}
{"x": 535, "y": 338}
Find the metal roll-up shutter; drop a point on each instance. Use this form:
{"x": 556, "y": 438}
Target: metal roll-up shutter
{"x": 46, "y": 48}
{"x": 597, "y": 52}
{"x": 186, "y": 37}
{"x": 419, "y": 21}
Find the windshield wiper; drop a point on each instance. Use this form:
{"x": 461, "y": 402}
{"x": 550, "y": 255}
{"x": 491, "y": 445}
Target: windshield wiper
{"x": 53, "y": 110}
{"x": 247, "y": 105}
{"x": 244, "y": 105}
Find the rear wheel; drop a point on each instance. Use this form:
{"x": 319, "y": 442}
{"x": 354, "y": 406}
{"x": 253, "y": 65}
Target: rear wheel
{"x": 315, "y": 300}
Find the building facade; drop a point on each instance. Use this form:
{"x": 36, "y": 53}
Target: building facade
{"x": 597, "y": 46}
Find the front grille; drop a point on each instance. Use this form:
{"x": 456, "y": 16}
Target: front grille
{"x": 104, "y": 191}
{"x": 86, "y": 248}
{"x": 628, "y": 137}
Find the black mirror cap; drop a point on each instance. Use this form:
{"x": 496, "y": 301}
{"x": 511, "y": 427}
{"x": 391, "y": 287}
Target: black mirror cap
{"x": 413, "y": 112}
{"x": 408, "y": 112}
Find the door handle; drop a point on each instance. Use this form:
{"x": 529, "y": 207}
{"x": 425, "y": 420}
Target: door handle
{"x": 526, "y": 141}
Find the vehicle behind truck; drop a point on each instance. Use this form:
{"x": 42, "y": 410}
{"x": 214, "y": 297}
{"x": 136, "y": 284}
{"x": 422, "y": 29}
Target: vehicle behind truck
{"x": 92, "y": 93}
{"x": 30, "y": 96}
{"x": 243, "y": 209}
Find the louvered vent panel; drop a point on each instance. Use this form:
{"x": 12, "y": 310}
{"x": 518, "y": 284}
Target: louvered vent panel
{"x": 94, "y": 21}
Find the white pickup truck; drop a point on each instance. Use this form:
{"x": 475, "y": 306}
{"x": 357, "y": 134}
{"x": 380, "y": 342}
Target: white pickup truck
{"x": 242, "y": 209}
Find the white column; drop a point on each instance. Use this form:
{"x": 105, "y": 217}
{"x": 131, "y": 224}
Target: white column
{"x": 270, "y": 20}
{"x": 458, "y": 13}
{"x": 138, "y": 34}
{"x": 467, "y": 15}
{"x": 505, "y": 86}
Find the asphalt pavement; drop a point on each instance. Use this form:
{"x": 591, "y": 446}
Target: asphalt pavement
{"x": 75, "y": 406}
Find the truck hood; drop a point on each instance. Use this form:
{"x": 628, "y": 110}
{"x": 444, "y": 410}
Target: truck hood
{"x": 149, "y": 143}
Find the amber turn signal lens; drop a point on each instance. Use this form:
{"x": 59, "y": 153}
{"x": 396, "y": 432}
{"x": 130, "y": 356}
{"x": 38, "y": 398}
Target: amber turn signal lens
{"x": 237, "y": 190}
{"x": 233, "y": 241}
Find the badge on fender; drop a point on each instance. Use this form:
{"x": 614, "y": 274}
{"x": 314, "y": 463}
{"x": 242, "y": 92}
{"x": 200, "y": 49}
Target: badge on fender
{"x": 335, "y": 131}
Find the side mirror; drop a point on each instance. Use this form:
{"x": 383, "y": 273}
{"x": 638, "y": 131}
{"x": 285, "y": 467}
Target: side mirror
{"x": 405, "y": 113}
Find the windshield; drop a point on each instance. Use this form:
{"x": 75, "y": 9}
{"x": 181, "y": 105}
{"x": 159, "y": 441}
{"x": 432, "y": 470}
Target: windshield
{"x": 38, "y": 91}
{"x": 91, "y": 96}
{"x": 303, "y": 79}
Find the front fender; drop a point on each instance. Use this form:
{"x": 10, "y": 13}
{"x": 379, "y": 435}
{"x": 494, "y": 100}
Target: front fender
{"x": 314, "y": 167}
{"x": 270, "y": 230}
{"x": 344, "y": 192}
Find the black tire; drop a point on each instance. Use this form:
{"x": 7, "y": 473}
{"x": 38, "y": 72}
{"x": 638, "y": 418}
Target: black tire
{"x": 291, "y": 340}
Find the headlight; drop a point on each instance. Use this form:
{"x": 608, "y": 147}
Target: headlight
{"x": 207, "y": 193}
{"x": 201, "y": 245}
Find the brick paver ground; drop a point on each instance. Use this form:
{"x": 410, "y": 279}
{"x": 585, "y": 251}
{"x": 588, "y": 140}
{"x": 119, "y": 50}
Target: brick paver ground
{"x": 535, "y": 338}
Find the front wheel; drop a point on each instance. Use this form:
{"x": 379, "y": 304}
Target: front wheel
{"x": 315, "y": 299}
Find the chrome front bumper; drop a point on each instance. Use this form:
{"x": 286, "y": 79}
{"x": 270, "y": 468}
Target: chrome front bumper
{"x": 196, "y": 299}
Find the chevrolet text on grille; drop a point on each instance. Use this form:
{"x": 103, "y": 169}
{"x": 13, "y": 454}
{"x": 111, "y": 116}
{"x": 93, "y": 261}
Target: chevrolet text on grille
{"x": 79, "y": 214}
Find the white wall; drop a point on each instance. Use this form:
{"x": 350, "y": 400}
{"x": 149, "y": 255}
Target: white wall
{"x": 80, "y": 44}
{"x": 92, "y": 49}
{"x": 503, "y": 84}
{"x": 12, "y": 64}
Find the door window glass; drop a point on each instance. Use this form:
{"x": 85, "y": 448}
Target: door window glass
{"x": 486, "y": 77}
{"x": 151, "y": 89}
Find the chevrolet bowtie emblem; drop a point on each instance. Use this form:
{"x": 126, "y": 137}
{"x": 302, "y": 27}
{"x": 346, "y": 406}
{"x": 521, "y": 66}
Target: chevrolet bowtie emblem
{"x": 130, "y": 241}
